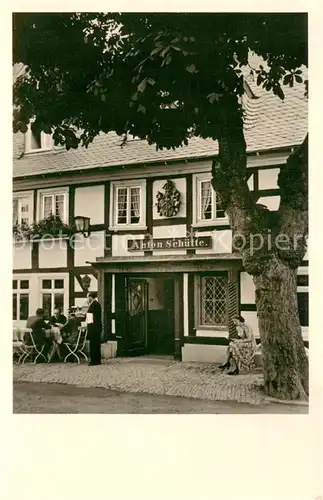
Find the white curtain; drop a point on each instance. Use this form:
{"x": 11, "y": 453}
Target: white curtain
{"x": 135, "y": 202}
{"x": 206, "y": 197}
{"x": 122, "y": 205}
{"x": 48, "y": 205}
{"x": 59, "y": 206}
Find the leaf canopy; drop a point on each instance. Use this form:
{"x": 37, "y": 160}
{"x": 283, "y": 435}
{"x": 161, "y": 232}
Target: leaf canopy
{"x": 159, "y": 77}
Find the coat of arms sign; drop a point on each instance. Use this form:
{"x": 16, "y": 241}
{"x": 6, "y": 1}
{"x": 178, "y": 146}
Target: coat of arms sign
{"x": 168, "y": 203}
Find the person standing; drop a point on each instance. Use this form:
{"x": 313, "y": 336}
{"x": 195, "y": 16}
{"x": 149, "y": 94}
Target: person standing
{"x": 94, "y": 328}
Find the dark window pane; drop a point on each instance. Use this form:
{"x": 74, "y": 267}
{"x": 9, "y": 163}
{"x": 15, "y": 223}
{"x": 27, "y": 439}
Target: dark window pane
{"x": 59, "y": 284}
{"x": 302, "y": 298}
{"x": 14, "y": 306}
{"x": 47, "y": 284}
{"x": 59, "y": 300}
{"x": 14, "y": 284}
{"x": 47, "y": 304}
{"x": 24, "y": 284}
{"x": 24, "y": 306}
{"x": 302, "y": 280}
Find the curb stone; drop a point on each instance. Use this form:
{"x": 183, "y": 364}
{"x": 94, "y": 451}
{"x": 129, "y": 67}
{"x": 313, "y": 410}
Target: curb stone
{"x": 286, "y": 401}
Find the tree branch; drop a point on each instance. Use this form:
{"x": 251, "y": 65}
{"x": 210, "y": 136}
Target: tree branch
{"x": 293, "y": 210}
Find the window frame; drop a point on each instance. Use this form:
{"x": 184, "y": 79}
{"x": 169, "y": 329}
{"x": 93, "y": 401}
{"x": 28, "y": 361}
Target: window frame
{"x": 198, "y": 179}
{"x": 19, "y": 195}
{"x": 113, "y": 221}
{"x": 52, "y": 192}
{"x": 198, "y": 299}
{"x": 46, "y": 141}
{"x": 18, "y": 291}
{"x": 52, "y": 290}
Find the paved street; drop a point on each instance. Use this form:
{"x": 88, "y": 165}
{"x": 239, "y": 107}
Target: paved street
{"x": 58, "y": 398}
{"x": 162, "y": 377}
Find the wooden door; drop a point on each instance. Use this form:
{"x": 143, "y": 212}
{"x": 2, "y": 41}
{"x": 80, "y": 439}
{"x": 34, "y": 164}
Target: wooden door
{"x": 137, "y": 295}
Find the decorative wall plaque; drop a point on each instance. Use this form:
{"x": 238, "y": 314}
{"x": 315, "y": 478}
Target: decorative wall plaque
{"x": 168, "y": 203}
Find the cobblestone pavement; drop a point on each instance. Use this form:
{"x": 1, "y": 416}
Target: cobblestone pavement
{"x": 38, "y": 398}
{"x": 152, "y": 376}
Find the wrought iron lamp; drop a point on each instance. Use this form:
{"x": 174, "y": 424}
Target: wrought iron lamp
{"x": 82, "y": 225}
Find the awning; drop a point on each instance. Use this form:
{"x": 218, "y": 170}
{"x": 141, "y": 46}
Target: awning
{"x": 167, "y": 263}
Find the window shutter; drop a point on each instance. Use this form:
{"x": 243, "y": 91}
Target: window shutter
{"x": 233, "y": 298}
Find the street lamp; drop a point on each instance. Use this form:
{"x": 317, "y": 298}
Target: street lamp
{"x": 82, "y": 225}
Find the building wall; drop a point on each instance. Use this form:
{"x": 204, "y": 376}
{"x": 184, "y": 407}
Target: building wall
{"x": 72, "y": 258}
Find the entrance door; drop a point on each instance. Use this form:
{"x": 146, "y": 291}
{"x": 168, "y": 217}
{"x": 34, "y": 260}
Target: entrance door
{"x": 137, "y": 315}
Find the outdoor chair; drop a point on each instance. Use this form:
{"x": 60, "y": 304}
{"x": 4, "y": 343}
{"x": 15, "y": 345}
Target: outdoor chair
{"x": 78, "y": 347}
{"x": 18, "y": 345}
{"x": 33, "y": 349}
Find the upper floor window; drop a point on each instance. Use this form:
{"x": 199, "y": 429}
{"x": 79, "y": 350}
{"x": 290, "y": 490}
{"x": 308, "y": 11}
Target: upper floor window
{"x": 37, "y": 141}
{"x": 128, "y": 204}
{"x": 53, "y": 203}
{"x": 207, "y": 206}
{"x": 22, "y": 209}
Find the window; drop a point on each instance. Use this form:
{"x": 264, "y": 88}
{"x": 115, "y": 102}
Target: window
{"x": 128, "y": 204}
{"x": 52, "y": 295}
{"x": 302, "y": 299}
{"x": 213, "y": 300}
{"x": 22, "y": 209}
{"x": 37, "y": 141}
{"x": 53, "y": 203}
{"x": 20, "y": 299}
{"x": 207, "y": 207}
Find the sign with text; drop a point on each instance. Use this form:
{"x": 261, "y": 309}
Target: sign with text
{"x": 185, "y": 243}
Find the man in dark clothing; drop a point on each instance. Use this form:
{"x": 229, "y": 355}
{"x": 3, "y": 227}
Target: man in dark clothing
{"x": 41, "y": 331}
{"x": 58, "y": 319}
{"x": 70, "y": 330}
{"x": 94, "y": 327}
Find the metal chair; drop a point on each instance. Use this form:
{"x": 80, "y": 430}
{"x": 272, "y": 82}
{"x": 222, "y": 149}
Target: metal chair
{"x": 77, "y": 347}
{"x": 18, "y": 345}
{"x": 33, "y": 349}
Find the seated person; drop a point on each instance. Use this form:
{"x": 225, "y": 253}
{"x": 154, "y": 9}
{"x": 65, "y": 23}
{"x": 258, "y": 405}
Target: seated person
{"x": 41, "y": 331}
{"x": 241, "y": 350}
{"x": 58, "y": 319}
{"x": 70, "y": 330}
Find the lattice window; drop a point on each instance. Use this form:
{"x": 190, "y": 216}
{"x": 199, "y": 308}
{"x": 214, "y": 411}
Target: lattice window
{"x": 213, "y": 300}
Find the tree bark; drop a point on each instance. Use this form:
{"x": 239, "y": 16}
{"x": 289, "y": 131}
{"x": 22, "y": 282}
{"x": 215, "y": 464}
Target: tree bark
{"x": 274, "y": 269}
{"x": 285, "y": 362}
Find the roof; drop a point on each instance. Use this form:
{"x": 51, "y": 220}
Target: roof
{"x": 269, "y": 124}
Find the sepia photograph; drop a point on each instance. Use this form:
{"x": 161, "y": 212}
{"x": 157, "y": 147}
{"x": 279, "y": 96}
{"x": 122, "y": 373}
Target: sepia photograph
{"x": 160, "y": 213}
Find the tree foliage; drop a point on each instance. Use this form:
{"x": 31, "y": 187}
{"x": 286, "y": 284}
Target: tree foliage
{"x": 160, "y": 77}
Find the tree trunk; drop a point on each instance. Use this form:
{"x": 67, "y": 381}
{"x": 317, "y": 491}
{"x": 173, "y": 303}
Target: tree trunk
{"x": 274, "y": 269}
{"x": 285, "y": 362}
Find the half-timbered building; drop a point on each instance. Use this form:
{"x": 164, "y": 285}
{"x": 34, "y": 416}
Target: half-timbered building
{"x": 158, "y": 248}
